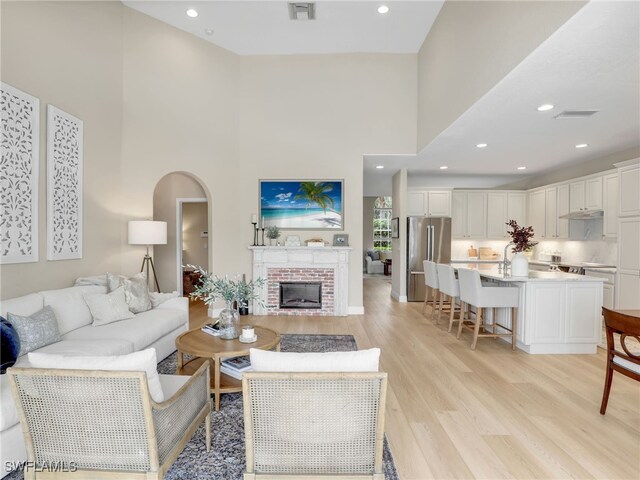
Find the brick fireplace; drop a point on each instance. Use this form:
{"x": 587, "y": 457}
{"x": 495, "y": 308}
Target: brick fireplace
{"x": 328, "y": 266}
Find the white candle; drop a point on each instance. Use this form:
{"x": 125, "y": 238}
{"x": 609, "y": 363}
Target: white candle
{"x": 248, "y": 332}
{"x": 254, "y": 218}
{"x": 263, "y": 221}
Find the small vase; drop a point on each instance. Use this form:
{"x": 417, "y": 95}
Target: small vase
{"x": 519, "y": 265}
{"x": 229, "y": 323}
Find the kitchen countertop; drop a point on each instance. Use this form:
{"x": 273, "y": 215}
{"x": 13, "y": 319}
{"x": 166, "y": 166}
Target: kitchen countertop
{"x": 586, "y": 265}
{"x": 534, "y": 275}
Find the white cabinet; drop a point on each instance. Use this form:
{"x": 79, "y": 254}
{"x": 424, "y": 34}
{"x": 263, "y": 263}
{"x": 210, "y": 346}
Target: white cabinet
{"x": 430, "y": 203}
{"x": 628, "y": 280}
{"x": 551, "y": 213}
{"x": 496, "y": 215}
{"x": 468, "y": 215}
{"x": 629, "y": 191}
{"x": 439, "y": 204}
{"x": 563, "y": 209}
{"x": 537, "y": 213}
{"x": 416, "y": 203}
{"x": 610, "y": 194}
{"x": 586, "y": 194}
{"x": 593, "y": 193}
{"x": 607, "y": 296}
{"x": 517, "y": 207}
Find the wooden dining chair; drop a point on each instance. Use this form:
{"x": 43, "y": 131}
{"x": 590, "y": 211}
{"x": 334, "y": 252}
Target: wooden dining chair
{"x": 625, "y": 362}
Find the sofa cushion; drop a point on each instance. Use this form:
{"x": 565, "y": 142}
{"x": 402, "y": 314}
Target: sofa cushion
{"x": 141, "y": 331}
{"x": 358, "y": 361}
{"x": 82, "y": 348}
{"x": 22, "y": 305}
{"x": 108, "y": 307}
{"x": 69, "y": 306}
{"x": 144, "y": 361}
{"x": 10, "y": 347}
{"x": 8, "y": 412}
{"x": 172, "y": 383}
{"x": 36, "y": 330}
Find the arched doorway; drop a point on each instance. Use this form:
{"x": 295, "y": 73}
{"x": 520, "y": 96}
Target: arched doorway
{"x": 181, "y": 200}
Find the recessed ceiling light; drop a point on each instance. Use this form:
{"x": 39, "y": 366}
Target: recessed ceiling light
{"x": 582, "y": 145}
{"x": 481, "y": 145}
{"x": 545, "y": 107}
{"x": 208, "y": 31}
{"x": 443, "y": 167}
{"x": 379, "y": 167}
{"x": 383, "y": 9}
{"x": 192, "y": 13}
{"x": 522, "y": 168}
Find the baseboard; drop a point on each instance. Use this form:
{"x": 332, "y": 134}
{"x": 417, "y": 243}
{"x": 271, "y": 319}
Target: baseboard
{"x": 398, "y": 298}
{"x": 355, "y": 310}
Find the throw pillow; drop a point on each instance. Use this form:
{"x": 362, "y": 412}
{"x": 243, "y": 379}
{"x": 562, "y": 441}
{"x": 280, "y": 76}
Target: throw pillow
{"x": 375, "y": 255}
{"x": 143, "y": 361}
{"x": 157, "y": 297}
{"x": 358, "y": 361}
{"x": 136, "y": 290}
{"x": 10, "y": 348}
{"x": 36, "y": 330}
{"x": 108, "y": 307}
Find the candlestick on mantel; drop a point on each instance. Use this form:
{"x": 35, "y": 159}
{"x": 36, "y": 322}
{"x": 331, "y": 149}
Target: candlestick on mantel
{"x": 254, "y": 218}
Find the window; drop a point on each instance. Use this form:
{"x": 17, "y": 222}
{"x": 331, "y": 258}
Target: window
{"x": 382, "y": 224}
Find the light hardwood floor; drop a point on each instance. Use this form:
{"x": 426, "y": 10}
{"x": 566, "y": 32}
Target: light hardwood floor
{"x": 492, "y": 413}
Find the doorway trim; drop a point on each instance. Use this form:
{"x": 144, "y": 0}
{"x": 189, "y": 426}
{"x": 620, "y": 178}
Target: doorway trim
{"x": 179, "y": 202}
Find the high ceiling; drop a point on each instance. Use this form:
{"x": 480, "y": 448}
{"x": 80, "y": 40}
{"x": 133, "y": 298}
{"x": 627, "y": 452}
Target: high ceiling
{"x": 592, "y": 62}
{"x": 264, "y": 27}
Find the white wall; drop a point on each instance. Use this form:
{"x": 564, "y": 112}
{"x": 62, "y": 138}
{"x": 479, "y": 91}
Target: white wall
{"x": 69, "y": 54}
{"x": 368, "y": 204}
{"x": 399, "y": 245}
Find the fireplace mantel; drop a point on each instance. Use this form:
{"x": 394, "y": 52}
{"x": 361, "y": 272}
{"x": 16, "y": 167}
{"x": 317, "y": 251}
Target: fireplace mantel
{"x": 335, "y": 258}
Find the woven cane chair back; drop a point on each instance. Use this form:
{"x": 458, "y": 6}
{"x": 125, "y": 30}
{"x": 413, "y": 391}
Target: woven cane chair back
{"x": 314, "y": 423}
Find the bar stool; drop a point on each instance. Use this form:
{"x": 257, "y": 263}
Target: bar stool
{"x": 431, "y": 282}
{"x": 450, "y": 287}
{"x": 472, "y": 292}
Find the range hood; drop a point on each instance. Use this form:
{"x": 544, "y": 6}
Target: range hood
{"x": 583, "y": 215}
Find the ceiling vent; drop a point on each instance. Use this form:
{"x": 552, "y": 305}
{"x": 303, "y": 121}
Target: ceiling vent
{"x": 302, "y": 11}
{"x": 575, "y": 114}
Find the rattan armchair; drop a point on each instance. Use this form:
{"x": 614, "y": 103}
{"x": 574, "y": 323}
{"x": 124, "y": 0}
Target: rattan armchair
{"x": 104, "y": 424}
{"x": 314, "y": 425}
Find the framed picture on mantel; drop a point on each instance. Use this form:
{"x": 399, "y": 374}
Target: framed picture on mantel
{"x": 302, "y": 204}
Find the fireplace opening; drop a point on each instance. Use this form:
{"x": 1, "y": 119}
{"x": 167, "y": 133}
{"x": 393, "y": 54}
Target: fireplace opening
{"x": 300, "y": 295}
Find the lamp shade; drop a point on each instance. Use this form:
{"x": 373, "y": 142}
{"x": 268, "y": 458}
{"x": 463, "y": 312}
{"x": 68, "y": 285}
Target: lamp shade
{"x": 147, "y": 232}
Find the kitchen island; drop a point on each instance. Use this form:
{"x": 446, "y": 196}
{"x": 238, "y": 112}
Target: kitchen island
{"x": 558, "y": 312}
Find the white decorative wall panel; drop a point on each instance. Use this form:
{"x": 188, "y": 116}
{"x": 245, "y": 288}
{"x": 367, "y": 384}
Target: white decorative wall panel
{"x": 64, "y": 185}
{"x": 19, "y": 162}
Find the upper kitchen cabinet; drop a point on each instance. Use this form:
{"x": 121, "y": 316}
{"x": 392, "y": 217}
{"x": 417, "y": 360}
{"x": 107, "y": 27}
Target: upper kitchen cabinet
{"x": 435, "y": 203}
{"x": 468, "y": 215}
{"x": 551, "y": 213}
{"x": 537, "y": 206}
{"x": 629, "y": 177}
{"x": 585, "y": 194}
{"x": 502, "y": 207}
{"x": 562, "y": 226}
{"x": 610, "y": 194}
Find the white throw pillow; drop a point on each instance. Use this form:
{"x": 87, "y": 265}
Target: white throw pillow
{"x": 143, "y": 361}
{"x": 158, "y": 298}
{"x": 357, "y": 361}
{"x": 108, "y": 307}
{"x": 136, "y": 290}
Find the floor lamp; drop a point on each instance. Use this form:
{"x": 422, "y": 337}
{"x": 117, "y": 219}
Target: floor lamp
{"x": 148, "y": 232}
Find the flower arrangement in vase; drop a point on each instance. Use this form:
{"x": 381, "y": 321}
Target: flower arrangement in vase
{"x": 210, "y": 288}
{"x": 521, "y": 241}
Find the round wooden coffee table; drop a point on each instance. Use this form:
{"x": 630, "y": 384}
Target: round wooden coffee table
{"x": 204, "y": 347}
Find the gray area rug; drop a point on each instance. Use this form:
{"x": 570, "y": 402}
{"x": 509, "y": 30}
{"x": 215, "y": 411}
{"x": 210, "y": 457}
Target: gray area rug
{"x": 226, "y": 459}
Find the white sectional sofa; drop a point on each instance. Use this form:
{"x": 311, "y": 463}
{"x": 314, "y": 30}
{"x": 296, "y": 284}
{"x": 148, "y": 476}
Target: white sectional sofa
{"x": 156, "y": 328}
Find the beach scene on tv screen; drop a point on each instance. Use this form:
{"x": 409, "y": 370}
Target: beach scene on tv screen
{"x": 301, "y": 204}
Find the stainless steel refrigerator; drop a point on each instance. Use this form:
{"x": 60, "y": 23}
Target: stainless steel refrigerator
{"x": 428, "y": 238}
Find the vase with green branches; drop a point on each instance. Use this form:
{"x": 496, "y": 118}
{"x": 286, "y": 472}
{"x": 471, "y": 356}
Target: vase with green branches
{"x": 212, "y": 288}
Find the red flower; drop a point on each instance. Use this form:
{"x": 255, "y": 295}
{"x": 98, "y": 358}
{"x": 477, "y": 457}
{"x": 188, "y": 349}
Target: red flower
{"x": 520, "y": 237}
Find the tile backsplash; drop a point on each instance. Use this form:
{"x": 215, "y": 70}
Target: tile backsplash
{"x": 597, "y": 251}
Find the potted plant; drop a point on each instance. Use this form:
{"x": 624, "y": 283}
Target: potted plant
{"x": 273, "y": 233}
{"x": 521, "y": 241}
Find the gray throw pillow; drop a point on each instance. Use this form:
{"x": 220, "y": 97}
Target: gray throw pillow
{"x": 108, "y": 307}
{"x": 136, "y": 290}
{"x": 36, "y": 330}
{"x": 375, "y": 255}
